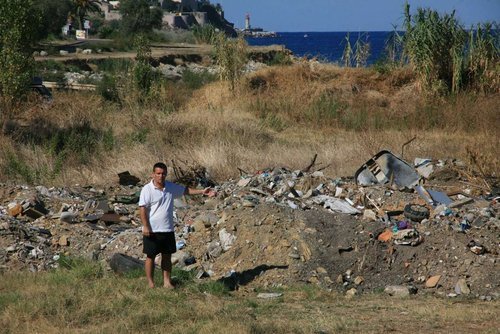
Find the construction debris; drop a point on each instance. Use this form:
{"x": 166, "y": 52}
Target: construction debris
{"x": 277, "y": 227}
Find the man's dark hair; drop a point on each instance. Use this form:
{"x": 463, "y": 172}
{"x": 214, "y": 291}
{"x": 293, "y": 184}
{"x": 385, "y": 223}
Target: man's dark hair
{"x": 160, "y": 165}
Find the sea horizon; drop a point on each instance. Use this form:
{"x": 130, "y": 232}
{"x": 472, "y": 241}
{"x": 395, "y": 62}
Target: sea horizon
{"x": 328, "y": 46}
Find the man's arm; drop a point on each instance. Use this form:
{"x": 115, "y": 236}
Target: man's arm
{"x": 207, "y": 192}
{"x": 146, "y": 227}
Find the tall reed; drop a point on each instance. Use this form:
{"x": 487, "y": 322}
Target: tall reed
{"x": 483, "y": 57}
{"x": 445, "y": 57}
{"x": 231, "y": 57}
{"x": 348, "y": 52}
{"x": 434, "y": 45}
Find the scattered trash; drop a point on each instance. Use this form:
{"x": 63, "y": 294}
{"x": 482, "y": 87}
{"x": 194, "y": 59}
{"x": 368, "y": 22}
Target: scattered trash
{"x": 409, "y": 237}
{"x": 424, "y": 167}
{"x": 276, "y": 216}
{"x": 439, "y": 197}
{"x": 476, "y": 248}
{"x": 180, "y": 244}
{"x": 385, "y": 236}
{"x": 336, "y": 204}
{"x": 416, "y": 212}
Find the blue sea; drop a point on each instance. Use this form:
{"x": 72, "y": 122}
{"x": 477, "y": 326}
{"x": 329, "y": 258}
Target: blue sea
{"x": 326, "y": 46}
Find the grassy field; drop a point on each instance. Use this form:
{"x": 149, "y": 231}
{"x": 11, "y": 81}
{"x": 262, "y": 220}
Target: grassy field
{"x": 83, "y": 298}
{"x": 279, "y": 116}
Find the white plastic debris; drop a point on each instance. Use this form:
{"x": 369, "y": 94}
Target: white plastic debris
{"x": 226, "y": 239}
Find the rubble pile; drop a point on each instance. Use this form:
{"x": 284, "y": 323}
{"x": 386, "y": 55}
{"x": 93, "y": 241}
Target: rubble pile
{"x": 393, "y": 227}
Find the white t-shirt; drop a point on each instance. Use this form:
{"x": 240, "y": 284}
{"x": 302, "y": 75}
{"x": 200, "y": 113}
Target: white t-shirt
{"x": 159, "y": 204}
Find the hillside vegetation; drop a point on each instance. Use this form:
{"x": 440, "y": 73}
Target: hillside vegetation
{"x": 278, "y": 116}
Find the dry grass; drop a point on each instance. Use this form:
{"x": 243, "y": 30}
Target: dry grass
{"x": 280, "y": 116}
{"x": 87, "y": 300}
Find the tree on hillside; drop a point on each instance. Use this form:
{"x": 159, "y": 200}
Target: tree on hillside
{"x": 53, "y": 14}
{"x": 83, "y": 7}
{"x": 17, "y": 26}
{"x": 137, "y": 17}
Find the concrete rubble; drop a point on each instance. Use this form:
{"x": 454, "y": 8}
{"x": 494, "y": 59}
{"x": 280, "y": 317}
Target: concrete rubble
{"x": 277, "y": 227}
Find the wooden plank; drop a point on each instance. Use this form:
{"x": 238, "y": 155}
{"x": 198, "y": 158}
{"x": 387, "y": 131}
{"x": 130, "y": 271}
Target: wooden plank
{"x": 56, "y": 85}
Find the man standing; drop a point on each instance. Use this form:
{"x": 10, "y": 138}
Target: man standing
{"x": 156, "y": 206}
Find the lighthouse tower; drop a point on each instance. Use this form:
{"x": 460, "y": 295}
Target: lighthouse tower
{"x": 247, "y": 22}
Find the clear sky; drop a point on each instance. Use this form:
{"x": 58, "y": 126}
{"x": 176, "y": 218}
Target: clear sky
{"x": 348, "y": 15}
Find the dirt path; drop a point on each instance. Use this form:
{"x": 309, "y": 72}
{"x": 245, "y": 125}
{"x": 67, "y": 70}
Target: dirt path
{"x": 158, "y": 51}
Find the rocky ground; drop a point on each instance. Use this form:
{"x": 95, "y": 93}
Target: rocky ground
{"x": 278, "y": 227}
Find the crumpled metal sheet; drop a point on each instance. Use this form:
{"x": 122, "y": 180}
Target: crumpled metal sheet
{"x": 384, "y": 167}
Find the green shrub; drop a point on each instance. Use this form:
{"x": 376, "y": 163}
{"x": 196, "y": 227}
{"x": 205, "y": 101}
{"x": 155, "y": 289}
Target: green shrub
{"x": 231, "y": 57}
{"x": 383, "y": 66}
{"x": 178, "y": 36}
{"x": 114, "y": 66}
{"x": 195, "y": 80}
{"x": 108, "y": 140}
{"x": 8, "y": 298}
{"x": 142, "y": 71}
{"x": 355, "y": 119}
{"x": 17, "y": 25}
{"x": 80, "y": 267}
{"x": 139, "y": 136}
{"x": 108, "y": 89}
{"x": 182, "y": 277}
{"x": 327, "y": 109}
{"x": 77, "y": 143}
{"x": 15, "y": 167}
{"x": 215, "y": 288}
{"x": 138, "y": 17}
{"x": 280, "y": 59}
{"x": 205, "y": 34}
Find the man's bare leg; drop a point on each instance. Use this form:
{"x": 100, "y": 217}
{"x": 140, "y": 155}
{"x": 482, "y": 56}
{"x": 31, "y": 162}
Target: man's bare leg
{"x": 150, "y": 271}
{"x": 166, "y": 266}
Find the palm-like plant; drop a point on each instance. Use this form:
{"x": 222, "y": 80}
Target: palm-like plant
{"x": 82, "y": 7}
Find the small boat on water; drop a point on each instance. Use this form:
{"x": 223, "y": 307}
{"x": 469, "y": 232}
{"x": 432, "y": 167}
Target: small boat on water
{"x": 306, "y": 35}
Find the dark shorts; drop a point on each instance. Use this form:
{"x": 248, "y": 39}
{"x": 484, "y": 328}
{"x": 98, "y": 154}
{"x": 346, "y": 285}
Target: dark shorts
{"x": 160, "y": 242}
